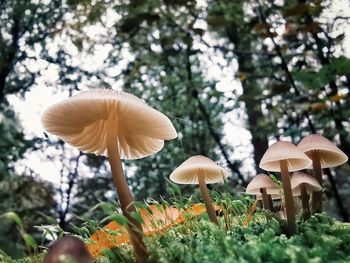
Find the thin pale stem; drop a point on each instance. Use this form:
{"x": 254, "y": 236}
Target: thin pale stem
{"x": 305, "y": 201}
{"x": 288, "y": 198}
{"x": 206, "y": 197}
{"x": 317, "y": 172}
{"x": 126, "y": 199}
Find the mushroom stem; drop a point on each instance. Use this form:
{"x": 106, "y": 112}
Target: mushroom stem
{"x": 265, "y": 199}
{"x": 317, "y": 172}
{"x": 305, "y": 201}
{"x": 126, "y": 201}
{"x": 269, "y": 198}
{"x": 288, "y": 198}
{"x": 206, "y": 197}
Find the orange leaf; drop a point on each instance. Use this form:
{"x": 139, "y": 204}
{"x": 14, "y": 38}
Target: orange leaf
{"x": 156, "y": 219}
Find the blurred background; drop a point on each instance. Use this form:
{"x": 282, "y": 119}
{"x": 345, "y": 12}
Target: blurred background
{"x": 233, "y": 77}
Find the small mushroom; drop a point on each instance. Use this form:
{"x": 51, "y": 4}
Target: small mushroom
{"x": 263, "y": 186}
{"x": 200, "y": 170}
{"x": 302, "y": 185}
{"x": 68, "y": 249}
{"x": 324, "y": 154}
{"x": 284, "y": 157}
{"x": 115, "y": 124}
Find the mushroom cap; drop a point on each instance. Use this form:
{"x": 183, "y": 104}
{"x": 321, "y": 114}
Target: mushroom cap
{"x": 283, "y": 150}
{"x": 85, "y": 120}
{"x": 69, "y": 248}
{"x": 330, "y": 155}
{"x": 187, "y": 172}
{"x": 262, "y": 181}
{"x": 298, "y": 178}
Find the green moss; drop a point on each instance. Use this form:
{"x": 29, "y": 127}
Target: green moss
{"x": 320, "y": 239}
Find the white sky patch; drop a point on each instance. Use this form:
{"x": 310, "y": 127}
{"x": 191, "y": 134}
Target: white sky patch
{"x": 48, "y": 170}
{"x": 34, "y": 103}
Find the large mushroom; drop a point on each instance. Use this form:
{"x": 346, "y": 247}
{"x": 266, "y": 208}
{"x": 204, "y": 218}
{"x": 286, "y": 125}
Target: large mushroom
{"x": 200, "y": 170}
{"x": 115, "y": 124}
{"x": 263, "y": 186}
{"x": 285, "y": 157}
{"x": 302, "y": 185}
{"x": 324, "y": 154}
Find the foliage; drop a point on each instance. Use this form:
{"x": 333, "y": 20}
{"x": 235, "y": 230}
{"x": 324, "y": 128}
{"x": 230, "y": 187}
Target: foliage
{"x": 293, "y": 80}
{"x": 12, "y": 142}
{"x": 319, "y": 239}
{"x": 26, "y": 27}
{"x": 23, "y": 194}
{"x": 166, "y": 72}
{"x": 29, "y": 198}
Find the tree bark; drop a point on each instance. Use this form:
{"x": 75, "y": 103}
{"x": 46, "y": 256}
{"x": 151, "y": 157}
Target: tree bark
{"x": 10, "y": 57}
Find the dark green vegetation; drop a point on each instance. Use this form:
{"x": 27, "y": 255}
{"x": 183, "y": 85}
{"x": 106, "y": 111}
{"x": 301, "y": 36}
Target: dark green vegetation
{"x": 321, "y": 239}
{"x": 288, "y": 56}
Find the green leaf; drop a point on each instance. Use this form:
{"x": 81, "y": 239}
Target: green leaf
{"x": 29, "y": 240}
{"x": 120, "y": 219}
{"x": 13, "y": 217}
{"x": 109, "y": 253}
{"x": 311, "y": 79}
{"x": 137, "y": 216}
{"x": 340, "y": 66}
{"x": 106, "y": 207}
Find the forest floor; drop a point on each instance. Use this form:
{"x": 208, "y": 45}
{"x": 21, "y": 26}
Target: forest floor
{"x": 319, "y": 239}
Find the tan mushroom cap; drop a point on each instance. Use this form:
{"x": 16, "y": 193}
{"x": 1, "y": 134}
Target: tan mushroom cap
{"x": 84, "y": 120}
{"x": 299, "y": 178}
{"x": 187, "y": 172}
{"x": 262, "y": 181}
{"x": 283, "y": 150}
{"x": 330, "y": 155}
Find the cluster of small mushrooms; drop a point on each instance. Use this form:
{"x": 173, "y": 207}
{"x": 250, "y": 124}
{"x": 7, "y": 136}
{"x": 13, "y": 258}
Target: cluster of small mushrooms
{"x": 313, "y": 152}
{"x": 122, "y": 126}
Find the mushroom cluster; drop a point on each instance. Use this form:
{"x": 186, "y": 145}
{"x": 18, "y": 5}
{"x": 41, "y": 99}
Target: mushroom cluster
{"x": 263, "y": 187}
{"x": 302, "y": 185}
{"x": 324, "y": 154}
{"x": 313, "y": 151}
{"x": 121, "y": 126}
